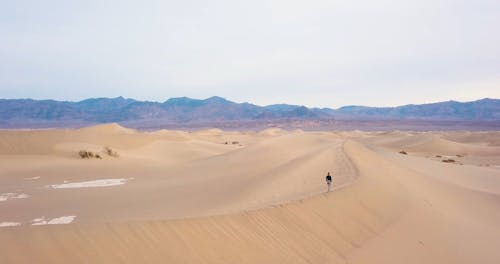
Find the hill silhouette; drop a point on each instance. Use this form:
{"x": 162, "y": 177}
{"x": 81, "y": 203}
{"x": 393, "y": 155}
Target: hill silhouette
{"x": 27, "y": 113}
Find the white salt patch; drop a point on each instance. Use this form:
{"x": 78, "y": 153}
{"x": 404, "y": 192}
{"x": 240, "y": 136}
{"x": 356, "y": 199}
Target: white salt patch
{"x": 33, "y": 178}
{"x": 5, "y": 224}
{"x": 90, "y": 184}
{"x": 39, "y": 221}
{"x": 8, "y": 196}
{"x": 54, "y": 221}
{"x": 62, "y": 220}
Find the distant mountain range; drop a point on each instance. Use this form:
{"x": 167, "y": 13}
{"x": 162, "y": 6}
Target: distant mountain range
{"x": 183, "y": 110}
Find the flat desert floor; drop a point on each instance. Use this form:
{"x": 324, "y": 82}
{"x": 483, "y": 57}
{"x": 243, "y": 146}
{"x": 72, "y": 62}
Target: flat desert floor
{"x": 215, "y": 196}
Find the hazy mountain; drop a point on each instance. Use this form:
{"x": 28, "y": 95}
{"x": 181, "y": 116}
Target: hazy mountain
{"x": 183, "y": 110}
{"x": 281, "y": 107}
{"x": 484, "y": 109}
{"x": 39, "y": 109}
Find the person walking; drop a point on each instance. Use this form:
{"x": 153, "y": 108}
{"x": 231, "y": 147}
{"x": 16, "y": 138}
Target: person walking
{"x": 328, "y": 181}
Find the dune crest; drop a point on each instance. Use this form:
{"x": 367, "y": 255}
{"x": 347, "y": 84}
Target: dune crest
{"x": 107, "y": 128}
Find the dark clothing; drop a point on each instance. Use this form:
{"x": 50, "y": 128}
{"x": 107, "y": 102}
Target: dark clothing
{"x": 328, "y": 181}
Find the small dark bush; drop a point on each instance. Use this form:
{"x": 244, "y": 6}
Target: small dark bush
{"x": 88, "y": 155}
{"x": 403, "y": 152}
{"x": 83, "y": 154}
{"x": 448, "y": 160}
{"x": 235, "y": 142}
{"x": 439, "y": 156}
{"x": 110, "y": 152}
{"x": 460, "y": 156}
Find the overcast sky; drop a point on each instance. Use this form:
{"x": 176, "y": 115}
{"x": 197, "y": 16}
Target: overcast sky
{"x": 314, "y": 53}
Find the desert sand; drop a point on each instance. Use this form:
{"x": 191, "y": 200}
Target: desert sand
{"x": 216, "y": 196}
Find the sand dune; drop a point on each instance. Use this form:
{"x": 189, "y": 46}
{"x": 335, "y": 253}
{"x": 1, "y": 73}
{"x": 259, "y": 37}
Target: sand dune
{"x": 439, "y": 145}
{"x": 272, "y": 132}
{"x": 195, "y": 199}
{"x": 433, "y": 143}
{"x": 490, "y": 138}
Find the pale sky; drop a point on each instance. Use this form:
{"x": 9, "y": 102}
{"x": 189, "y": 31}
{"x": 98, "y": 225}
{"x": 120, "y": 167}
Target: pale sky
{"x": 314, "y": 53}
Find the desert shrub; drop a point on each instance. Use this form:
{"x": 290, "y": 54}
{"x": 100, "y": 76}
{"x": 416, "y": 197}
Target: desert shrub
{"x": 88, "y": 155}
{"x": 110, "y": 152}
{"x": 235, "y": 142}
{"x": 439, "y": 156}
{"x": 403, "y": 152}
{"x": 83, "y": 154}
{"x": 460, "y": 156}
{"x": 448, "y": 160}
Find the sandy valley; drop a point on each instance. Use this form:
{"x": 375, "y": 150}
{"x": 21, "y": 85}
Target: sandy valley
{"x": 214, "y": 196}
